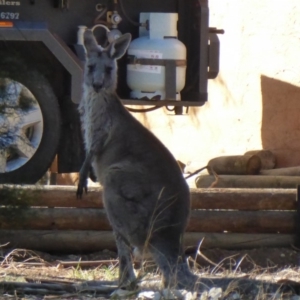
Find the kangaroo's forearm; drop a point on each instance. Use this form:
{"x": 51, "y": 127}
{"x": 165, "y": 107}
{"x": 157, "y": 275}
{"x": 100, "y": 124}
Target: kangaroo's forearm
{"x": 84, "y": 173}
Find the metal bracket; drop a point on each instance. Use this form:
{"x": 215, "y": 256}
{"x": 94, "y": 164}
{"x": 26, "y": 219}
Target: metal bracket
{"x": 170, "y": 80}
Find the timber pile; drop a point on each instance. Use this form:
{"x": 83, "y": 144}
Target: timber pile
{"x": 51, "y": 219}
{"x": 254, "y": 169}
{"x": 248, "y": 181}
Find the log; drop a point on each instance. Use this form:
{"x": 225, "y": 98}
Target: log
{"x": 214, "y": 198}
{"x": 54, "y": 219}
{"x": 200, "y": 220}
{"x": 242, "y": 221}
{"x": 268, "y": 159}
{"x": 49, "y": 196}
{"x": 248, "y": 181}
{"x": 238, "y": 241}
{"x": 93, "y": 241}
{"x": 62, "y": 289}
{"x": 244, "y": 199}
{"x": 235, "y": 165}
{"x": 62, "y": 241}
{"x": 291, "y": 171}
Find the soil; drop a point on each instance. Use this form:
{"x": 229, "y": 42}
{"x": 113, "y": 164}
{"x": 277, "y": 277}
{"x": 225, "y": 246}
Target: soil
{"x": 274, "y": 265}
{"x": 244, "y": 260}
{"x": 247, "y": 260}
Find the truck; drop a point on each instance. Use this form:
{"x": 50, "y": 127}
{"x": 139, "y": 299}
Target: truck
{"x": 41, "y": 70}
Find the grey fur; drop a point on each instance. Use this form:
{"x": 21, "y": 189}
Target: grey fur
{"x": 145, "y": 195}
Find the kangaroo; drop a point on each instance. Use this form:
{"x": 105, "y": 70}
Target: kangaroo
{"x": 145, "y": 195}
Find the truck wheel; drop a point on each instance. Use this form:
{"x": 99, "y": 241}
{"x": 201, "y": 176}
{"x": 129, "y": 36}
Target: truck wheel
{"x": 29, "y": 124}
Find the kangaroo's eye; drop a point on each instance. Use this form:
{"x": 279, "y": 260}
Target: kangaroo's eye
{"x": 108, "y": 70}
{"x": 91, "y": 68}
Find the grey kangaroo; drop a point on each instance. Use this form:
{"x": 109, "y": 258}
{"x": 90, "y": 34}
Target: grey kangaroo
{"x": 145, "y": 195}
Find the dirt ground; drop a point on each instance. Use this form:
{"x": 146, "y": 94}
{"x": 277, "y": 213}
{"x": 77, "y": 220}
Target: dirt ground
{"x": 250, "y": 259}
{"x": 273, "y": 265}
{"x": 245, "y": 260}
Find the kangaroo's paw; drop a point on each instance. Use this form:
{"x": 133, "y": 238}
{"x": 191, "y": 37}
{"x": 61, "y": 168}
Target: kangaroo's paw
{"x": 82, "y": 186}
{"x": 83, "y": 175}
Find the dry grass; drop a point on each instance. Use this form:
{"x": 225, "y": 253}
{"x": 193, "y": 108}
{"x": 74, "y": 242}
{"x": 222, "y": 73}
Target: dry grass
{"x": 31, "y": 267}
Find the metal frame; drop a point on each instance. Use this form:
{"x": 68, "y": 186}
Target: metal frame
{"x": 38, "y": 32}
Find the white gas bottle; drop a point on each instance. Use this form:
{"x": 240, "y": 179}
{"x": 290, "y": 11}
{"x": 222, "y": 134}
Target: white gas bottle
{"x": 157, "y": 40}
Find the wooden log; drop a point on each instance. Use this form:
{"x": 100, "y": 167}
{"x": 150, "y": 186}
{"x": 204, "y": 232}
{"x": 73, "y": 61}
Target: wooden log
{"x": 235, "y": 165}
{"x": 244, "y": 199}
{"x": 49, "y": 196}
{"x": 214, "y": 198}
{"x": 248, "y": 181}
{"x": 92, "y": 241}
{"x": 54, "y": 218}
{"x": 200, "y": 220}
{"x": 236, "y": 240}
{"x": 291, "y": 171}
{"x": 267, "y": 157}
{"x": 298, "y": 218}
{"x": 60, "y": 290}
{"x": 242, "y": 221}
{"x": 61, "y": 241}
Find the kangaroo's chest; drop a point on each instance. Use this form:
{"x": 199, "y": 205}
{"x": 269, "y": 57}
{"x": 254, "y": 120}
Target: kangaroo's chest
{"x": 95, "y": 118}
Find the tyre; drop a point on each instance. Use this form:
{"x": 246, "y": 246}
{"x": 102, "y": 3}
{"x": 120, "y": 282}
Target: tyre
{"x": 29, "y": 123}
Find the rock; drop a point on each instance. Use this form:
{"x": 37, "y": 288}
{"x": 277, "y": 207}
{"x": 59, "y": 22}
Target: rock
{"x": 149, "y": 295}
{"x": 215, "y": 293}
{"x": 168, "y": 294}
{"x": 233, "y": 296}
{"x": 190, "y": 296}
{"x": 204, "y": 296}
{"x": 172, "y": 294}
{"x": 120, "y": 293}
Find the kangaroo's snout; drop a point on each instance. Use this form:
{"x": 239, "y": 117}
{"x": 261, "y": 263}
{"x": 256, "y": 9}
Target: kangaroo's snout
{"x": 97, "y": 87}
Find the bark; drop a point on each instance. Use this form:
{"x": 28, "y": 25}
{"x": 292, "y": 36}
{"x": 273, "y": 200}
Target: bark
{"x": 93, "y": 241}
{"x": 215, "y": 198}
{"x": 235, "y": 165}
{"x": 268, "y": 159}
{"x": 49, "y": 196}
{"x": 200, "y": 220}
{"x": 244, "y": 199}
{"x": 292, "y": 171}
{"x": 248, "y": 181}
{"x": 54, "y": 219}
{"x": 242, "y": 221}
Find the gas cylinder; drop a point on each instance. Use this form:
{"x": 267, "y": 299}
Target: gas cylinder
{"x": 157, "y": 40}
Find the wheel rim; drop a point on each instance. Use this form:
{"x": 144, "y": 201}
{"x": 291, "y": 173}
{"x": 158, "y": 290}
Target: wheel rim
{"x": 21, "y": 125}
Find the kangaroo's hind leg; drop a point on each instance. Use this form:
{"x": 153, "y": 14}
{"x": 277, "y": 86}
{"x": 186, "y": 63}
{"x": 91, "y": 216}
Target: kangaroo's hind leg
{"x": 121, "y": 222}
{"x": 128, "y": 209}
{"x": 167, "y": 252}
{"x": 127, "y": 276}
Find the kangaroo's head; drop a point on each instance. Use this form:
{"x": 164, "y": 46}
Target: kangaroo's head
{"x": 101, "y": 66}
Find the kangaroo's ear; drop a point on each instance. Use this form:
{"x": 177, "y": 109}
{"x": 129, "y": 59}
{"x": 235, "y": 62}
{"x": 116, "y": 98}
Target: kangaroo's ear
{"x": 90, "y": 42}
{"x": 118, "y": 47}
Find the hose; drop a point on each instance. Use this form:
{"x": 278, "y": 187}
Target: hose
{"x": 143, "y": 109}
{"x": 126, "y": 15}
